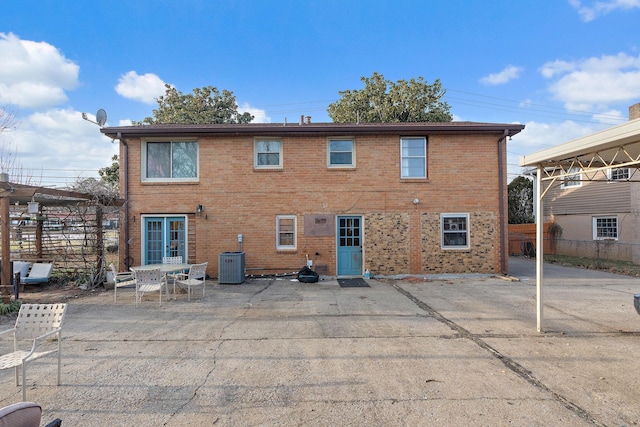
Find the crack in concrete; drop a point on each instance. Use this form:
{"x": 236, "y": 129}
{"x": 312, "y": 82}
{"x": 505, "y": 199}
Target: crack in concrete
{"x": 514, "y": 366}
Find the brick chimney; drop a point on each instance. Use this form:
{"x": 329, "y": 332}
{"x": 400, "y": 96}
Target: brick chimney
{"x": 634, "y": 111}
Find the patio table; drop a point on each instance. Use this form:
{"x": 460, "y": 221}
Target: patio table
{"x": 164, "y": 269}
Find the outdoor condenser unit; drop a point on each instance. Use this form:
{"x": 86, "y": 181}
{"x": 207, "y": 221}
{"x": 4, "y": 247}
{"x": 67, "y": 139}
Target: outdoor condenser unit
{"x": 231, "y": 268}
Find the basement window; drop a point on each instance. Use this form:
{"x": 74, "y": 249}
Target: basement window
{"x": 605, "y": 228}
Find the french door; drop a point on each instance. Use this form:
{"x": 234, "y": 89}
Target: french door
{"x": 164, "y": 236}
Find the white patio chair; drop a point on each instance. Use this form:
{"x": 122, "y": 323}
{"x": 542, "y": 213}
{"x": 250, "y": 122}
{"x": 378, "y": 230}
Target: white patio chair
{"x": 151, "y": 280}
{"x": 195, "y": 277}
{"x": 172, "y": 260}
{"x": 121, "y": 280}
{"x": 40, "y": 323}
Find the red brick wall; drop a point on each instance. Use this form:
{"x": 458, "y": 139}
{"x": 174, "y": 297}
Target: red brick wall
{"x": 399, "y": 236}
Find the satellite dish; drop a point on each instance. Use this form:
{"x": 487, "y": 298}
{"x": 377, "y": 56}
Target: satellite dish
{"x": 101, "y": 117}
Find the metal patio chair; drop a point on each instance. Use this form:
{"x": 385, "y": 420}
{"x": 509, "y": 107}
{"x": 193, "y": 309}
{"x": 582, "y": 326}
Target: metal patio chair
{"x": 151, "y": 280}
{"x": 38, "y": 324}
{"x": 172, "y": 260}
{"x": 123, "y": 279}
{"x": 195, "y": 277}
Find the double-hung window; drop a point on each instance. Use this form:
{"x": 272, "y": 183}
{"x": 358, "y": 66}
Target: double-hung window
{"x": 267, "y": 153}
{"x": 286, "y": 232}
{"x": 619, "y": 174}
{"x": 340, "y": 153}
{"x": 573, "y": 178}
{"x": 413, "y": 157}
{"x": 170, "y": 161}
{"x": 455, "y": 231}
{"x": 605, "y": 227}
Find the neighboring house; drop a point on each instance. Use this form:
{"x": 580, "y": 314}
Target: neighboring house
{"x": 395, "y": 198}
{"x": 596, "y": 196}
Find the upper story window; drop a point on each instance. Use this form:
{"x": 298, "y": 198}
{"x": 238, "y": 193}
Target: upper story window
{"x": 340, "y": 153}
{"x": 605, "y": 227}
{"x": 170, "y": 161}
{"x": 619, "y": 174}
{"x": 413, "y": 156}
{"x": 455, "y": 231}
{"x": 573, "y": 178}
{"x": 267, "y": 154}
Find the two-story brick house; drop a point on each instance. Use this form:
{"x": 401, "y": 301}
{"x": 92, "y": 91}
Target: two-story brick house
{"x": 394, "y": 198}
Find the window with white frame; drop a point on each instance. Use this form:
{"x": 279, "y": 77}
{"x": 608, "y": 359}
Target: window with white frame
{"x": 170, "y": 161}
{"x": 455, "y": 231}
{"x": 340, "y": 153}
{"x": 286, "y": 232}
{"x": 573, "y": 178}
{"x": 605, "y": 227}
{"x": 413, "y": 157}
{"x": 619, "y": 174}
{"x": 268, "y": 153}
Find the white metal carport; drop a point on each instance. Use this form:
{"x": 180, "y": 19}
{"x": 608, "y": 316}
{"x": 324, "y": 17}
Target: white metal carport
{"x": 616, "y": 147}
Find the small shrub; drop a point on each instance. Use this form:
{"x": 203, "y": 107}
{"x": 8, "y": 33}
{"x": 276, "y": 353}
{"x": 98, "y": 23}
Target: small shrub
{"x": 12, "y": 307}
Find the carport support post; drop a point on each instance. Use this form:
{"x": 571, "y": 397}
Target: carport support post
{"x": 539, "y": 249}
{"x": 5, "y": 231}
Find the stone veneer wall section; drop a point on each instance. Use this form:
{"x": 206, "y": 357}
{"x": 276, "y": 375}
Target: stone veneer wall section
{"x": 386, "y": 249}
{"x": 481, "y": 257}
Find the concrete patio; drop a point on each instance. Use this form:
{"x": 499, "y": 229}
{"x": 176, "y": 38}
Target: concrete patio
{"x": 445, "y": 350}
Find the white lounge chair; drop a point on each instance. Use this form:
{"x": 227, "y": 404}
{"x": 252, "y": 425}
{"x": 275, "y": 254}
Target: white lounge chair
{"x": 39, "y": 273}
{"x": 40, "y": 324}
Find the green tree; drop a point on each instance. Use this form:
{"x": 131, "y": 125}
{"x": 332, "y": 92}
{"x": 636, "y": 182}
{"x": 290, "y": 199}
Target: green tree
{"x": 204, "y": 106}
{"x": 383, "y": 101}
{"x": 110, "y": 175}
{"x": 521, "y": 201}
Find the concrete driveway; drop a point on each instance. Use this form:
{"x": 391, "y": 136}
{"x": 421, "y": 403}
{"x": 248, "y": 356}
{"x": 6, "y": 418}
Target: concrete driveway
{"x": 445, "y": 350}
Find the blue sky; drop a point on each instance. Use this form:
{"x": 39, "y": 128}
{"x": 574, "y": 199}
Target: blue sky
{"x": 564, "y": 68}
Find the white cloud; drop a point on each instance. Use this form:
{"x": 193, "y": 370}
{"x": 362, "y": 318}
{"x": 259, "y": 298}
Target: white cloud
{"x": 57, "y": 146}
{"x": 538, "y": 136}
{"x": 260, "y": 116}
{"x": 34, "y": 74}
{"x": 509, "y": 73}
{"x": 592, "y": 84}
{"x": 600, "y": 8}
{"x": 144, "y": 88}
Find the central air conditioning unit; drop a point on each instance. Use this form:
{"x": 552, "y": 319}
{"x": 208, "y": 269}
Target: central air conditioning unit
{"x": 231, "y": 268}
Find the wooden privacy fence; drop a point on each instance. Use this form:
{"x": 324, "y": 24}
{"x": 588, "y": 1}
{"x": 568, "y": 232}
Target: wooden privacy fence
{"x": 522, "y": 239}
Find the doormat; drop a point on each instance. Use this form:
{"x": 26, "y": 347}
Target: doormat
{"x": 353, "y": 283}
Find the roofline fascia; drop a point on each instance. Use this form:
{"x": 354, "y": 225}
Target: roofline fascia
{"x": 313, "y": 129}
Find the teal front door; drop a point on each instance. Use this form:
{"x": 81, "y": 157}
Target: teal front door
{"x": 164, "y": 236}
{"x": 349, "y": 246}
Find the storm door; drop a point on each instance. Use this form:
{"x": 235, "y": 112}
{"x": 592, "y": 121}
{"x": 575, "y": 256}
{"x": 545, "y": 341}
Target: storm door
{"x": 349, "y": 235}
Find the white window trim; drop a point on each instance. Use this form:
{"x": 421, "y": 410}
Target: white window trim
{"x": 426, "y": 171}
{"x": 574, "y": 184}
{"x": 143, "y": 161}
{"x": 595, "y": 227}
{"x": 295, "y": 232}
{"x": 255, "y": 153}
{"x": 442, "y": 231}
{"x": 353, "y": 153}
{"x": 610, "y": 175}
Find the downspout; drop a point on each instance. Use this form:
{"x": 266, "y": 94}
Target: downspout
{"x": 502, "y": 179}
{"x": 125, "y": 183}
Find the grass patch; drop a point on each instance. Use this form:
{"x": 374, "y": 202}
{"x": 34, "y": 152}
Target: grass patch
{"x": 12, "y": 307}
{"x": 626, "y": 268}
